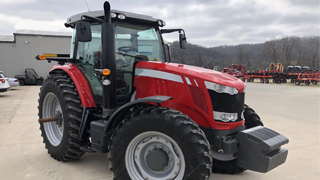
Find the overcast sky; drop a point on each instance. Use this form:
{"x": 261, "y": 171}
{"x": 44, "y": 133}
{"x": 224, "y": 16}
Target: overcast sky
{"x": 206, "y": 22}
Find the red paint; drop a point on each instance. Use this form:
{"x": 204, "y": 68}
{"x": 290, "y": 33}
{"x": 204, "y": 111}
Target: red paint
{"x": 194, "y": 72}
{"x": 80, "y": 82}
{"x": 183, "y": 100}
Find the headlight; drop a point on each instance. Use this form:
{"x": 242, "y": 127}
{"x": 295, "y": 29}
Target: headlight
{"x": 245, "y": 89}
{"x": 225, "y": 117}
{"x": 221, "y": 88}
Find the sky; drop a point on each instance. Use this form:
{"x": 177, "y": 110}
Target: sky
{"x": 206, "y": 22}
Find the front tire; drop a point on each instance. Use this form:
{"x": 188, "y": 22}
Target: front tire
{"x": 161, "y": 135}
{"x": 251, "y": 118}
{"x": 58, "y": 97}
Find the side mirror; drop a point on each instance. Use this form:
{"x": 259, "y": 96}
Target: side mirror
{"x": 182, "y": 40}
{"x": 83, "y": 31}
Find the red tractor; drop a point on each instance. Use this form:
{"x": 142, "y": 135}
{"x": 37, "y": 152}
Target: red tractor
{"x": 155, "y": 119}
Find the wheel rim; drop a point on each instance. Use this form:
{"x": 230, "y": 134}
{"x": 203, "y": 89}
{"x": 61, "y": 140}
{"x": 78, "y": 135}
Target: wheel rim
{"x": 142, "y": 152}
{"x": 50, "y": 108}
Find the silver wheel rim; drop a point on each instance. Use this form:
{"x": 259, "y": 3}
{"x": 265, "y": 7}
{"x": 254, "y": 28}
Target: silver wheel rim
{"x": 140, "y": 147}
{"x": 50, "y": 108}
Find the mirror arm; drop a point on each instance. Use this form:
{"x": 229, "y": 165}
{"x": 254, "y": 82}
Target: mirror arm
{"x": 163, "y": 31}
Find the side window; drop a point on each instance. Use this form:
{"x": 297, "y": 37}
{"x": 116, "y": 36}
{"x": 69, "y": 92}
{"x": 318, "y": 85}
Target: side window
{"x": 89, "y": 59}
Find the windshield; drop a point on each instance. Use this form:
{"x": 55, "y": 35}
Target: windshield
{"x": 130, "y": 40}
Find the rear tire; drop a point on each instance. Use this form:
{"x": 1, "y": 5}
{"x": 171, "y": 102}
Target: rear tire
{"x": 58, "y": 95}
{"x": 128, "y": 144}
{"x": 21, "y": 82}
{"x": 297, "y": 82}
{"x": 314, "y": 82}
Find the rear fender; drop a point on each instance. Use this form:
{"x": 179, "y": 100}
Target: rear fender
{"x": 79, "y": 81}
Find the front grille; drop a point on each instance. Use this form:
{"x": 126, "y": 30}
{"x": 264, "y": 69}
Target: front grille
{"x": 223, "y": 102}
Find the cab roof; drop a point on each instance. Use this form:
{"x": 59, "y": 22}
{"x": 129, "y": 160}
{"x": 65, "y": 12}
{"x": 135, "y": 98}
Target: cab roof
{"x": 100, "y": 14}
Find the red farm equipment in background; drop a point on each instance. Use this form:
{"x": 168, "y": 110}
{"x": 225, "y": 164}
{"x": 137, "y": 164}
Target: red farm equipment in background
{"x": 307, "y": 78}
{"x": 236, "y": 70}
{"x": 274, "y": 72}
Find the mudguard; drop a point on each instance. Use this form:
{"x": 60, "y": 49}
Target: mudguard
{"x": 99, "y": 129}
{"x": 79, "y": 81}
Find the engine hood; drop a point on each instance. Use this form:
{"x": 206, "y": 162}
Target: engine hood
{"x": 194, "y": 72}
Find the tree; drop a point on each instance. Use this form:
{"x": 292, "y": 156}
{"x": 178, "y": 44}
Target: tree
{"x": 314, "y": 51}
{"x": 270, "y": 51}
{"x": 242, "y": 54}
{"x": 299, "y": 51}
{"x": 287, "y": 45}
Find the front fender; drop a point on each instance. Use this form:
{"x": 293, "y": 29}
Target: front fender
{"x": 120, "y": 113}
{"x": 100, "y": 130}
{"x": 79, "y": 81}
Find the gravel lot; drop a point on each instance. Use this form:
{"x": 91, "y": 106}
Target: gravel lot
{"x": 291, "y": 110}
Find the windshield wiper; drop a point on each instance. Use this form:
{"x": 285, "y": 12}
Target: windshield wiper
{"x": 125, "y": 54}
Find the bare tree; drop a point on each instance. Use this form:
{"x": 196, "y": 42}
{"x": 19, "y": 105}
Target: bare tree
{"x": 299, "y": 51}
{"x": 270, "y": 51}
{"x": 314, "y": 51}
{"x": 287, "y": 45}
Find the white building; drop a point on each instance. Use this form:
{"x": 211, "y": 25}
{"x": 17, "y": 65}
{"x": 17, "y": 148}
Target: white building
{"x": 18, "y": 52}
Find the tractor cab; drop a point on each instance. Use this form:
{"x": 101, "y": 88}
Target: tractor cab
{"x": 134, "y": 35}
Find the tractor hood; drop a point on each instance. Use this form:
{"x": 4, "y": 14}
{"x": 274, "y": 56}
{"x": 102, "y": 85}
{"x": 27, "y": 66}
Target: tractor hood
{"x": 198, "y": 73}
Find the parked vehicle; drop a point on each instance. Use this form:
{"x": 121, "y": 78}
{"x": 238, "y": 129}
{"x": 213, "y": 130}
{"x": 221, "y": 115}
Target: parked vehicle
{"x": 157, "y": 120}
{"x": 13, "y": 82}
{"x": 4, "y": 85}
{"x": 30, "y": 77}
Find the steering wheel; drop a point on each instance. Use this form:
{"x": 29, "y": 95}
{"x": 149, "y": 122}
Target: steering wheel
{"x": 127, "y": 49}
